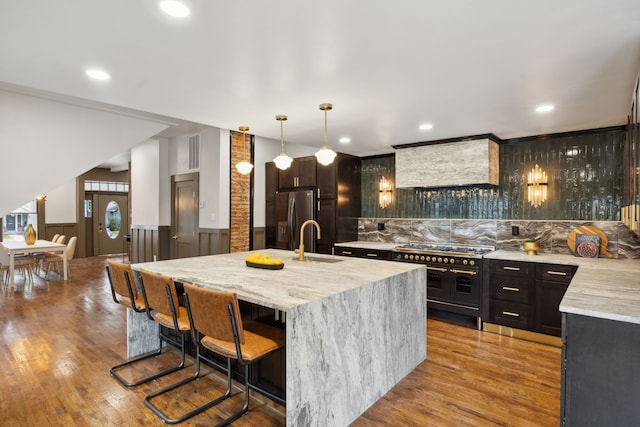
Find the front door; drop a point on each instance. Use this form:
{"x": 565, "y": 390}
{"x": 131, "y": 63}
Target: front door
{"x": 185, "y": 216}
{"x": 110, "y": 224}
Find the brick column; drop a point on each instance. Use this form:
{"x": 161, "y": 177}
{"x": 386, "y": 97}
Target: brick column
{"x": 240, "y": 217}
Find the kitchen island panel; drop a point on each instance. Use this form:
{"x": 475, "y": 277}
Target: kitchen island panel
{"x": 347, "y": 350}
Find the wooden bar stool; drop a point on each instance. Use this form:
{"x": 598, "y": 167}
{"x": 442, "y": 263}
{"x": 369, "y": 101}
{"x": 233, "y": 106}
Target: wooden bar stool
{"x": 124, "y": 292}
{"x": 217, "y": 326}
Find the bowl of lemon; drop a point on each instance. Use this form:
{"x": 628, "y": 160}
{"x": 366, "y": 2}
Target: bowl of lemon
{"x": 257, "y": 260}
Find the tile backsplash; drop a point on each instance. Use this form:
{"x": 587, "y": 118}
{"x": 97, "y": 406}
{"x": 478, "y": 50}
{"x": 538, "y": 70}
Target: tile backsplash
{"x": 553, "y": 234}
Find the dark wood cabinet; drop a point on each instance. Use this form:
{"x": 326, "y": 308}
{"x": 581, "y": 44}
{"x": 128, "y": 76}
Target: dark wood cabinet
{"x": 327, "y": 178}
{"x": 600, "y": 366}
{"x": 511, "y": 293}
{"x": 337, "y": 188}
{"x": 271, "y": 188}
{"x": 327, "y": 220}
{"x": 363, "y": 253}
{"x": 552, "y": 282}
{"x": 301, "y": 173}
{"x": 527, "y": 295}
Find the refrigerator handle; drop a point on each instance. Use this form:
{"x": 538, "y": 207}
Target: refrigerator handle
{"x": 291, "y": 220}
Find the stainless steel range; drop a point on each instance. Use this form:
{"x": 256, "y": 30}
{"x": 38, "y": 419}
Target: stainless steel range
{"x": 454, "y": 275}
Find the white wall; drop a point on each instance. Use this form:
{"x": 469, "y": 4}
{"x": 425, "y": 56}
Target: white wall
{"x": 150, "y": 183}
{"x": 60, "y": 206}
{"x": 215, "y": 176}
{"x": 46, "y": 143}
{"x": 210, "y": 178}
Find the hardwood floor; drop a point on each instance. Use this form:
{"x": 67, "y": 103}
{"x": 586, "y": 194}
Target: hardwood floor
{"x": 58, "y": 341}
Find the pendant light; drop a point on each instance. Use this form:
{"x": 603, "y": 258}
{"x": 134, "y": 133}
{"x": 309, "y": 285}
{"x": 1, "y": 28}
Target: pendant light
{"x": 244, "y": 167}
{"x": 282, "y": 161}
{"x": 325, "y": 155}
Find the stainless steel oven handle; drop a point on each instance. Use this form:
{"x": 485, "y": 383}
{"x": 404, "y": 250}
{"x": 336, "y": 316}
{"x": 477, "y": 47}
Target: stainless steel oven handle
{"x": 442, "y": 270}
{"x": 469, "y": 272}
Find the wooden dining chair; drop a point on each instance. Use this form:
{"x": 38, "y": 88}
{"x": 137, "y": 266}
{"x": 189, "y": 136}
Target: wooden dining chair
{"x": 216, "y": 325}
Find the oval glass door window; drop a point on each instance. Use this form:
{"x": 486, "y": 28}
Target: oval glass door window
{"x": 112, "y": 219}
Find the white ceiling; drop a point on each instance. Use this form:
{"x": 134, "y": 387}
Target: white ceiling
{"x": 468, "y": 67}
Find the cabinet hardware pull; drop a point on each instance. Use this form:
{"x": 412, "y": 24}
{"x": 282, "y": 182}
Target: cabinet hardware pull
{"x": 557, "y": 273}
{"x": 512, "y": 268}
{"x": 318, "y": 205}
{"x": 509, "y": 288}
{"x": 510, "y": 313}
{"x": 470, "y": 273}
{"x": 347, "y": 252}
{"x": 442, "y": 270}
{"x": 373, "y": 255}
{"x": 318, "y": 193}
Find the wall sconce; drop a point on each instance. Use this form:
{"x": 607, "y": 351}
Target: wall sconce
{"x": 385, "y": 192}
{"x": 537, "y": 186}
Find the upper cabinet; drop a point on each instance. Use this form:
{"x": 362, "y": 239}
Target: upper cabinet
{"x": 301, "y": 173}
{"x": 337, "y": 189}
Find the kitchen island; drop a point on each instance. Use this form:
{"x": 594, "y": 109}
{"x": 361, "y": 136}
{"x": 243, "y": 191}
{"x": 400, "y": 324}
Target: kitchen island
{"x": 354, "y": 327}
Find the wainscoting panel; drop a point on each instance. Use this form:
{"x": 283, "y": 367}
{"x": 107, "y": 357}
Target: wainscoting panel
{"x": 214, "y": 241}
{"x": 149, "y": 243}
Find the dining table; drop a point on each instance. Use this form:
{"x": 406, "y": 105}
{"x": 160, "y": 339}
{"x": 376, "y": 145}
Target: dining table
{"x": 19, "y": 247}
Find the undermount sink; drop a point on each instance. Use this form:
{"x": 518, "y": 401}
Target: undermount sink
{"x": 318, "y": 259}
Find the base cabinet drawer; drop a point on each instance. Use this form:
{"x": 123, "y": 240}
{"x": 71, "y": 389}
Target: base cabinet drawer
{"x": 513, "y": 314}
{"x": 512, "y": 268}
{"x": 510, "y": 288}
{"x": 347, "y": 251}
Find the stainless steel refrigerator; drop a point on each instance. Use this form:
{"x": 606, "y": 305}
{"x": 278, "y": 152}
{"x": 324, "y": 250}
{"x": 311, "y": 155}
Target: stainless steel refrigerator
{"x": 293, "y": 208}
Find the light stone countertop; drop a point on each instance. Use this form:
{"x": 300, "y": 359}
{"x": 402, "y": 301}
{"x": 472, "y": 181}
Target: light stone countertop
{"x": 369, "y": 245}
{"x": 602, "y": 287}
{"x": 296, "y": 284}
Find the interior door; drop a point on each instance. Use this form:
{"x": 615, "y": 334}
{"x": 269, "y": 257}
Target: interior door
{"x": 110, "y": 223}
{"x": 185, "y": 216}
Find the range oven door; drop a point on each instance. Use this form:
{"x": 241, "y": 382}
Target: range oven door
{"x": 438, "y": 286}
{"x": 460, "y": 286}
{"x": 465, "y": 286}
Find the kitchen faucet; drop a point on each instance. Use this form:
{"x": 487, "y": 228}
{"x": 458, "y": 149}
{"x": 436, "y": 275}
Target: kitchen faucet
{"x": 301, "y": 248}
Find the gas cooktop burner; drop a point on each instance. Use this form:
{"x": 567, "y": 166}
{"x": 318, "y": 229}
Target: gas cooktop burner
{"x": 445, "y": 248}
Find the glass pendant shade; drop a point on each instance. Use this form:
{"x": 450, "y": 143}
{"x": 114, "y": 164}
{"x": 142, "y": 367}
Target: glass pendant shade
{"x": 244, "y": 167}
{"x": 283, "y": 161}
{"x": 325, "y": 155}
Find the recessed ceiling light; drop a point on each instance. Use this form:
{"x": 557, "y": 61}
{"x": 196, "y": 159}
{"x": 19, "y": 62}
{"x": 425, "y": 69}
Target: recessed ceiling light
{"x": 545, "y": 108}
{"x": 426, "y": 126}
{"x": 345, "y": 140}
{"x": 174, "y": 8}
{"x": 96, "y": 74}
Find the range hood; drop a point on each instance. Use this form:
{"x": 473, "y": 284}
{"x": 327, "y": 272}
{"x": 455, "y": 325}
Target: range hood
{"x": 448, "y": 163}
